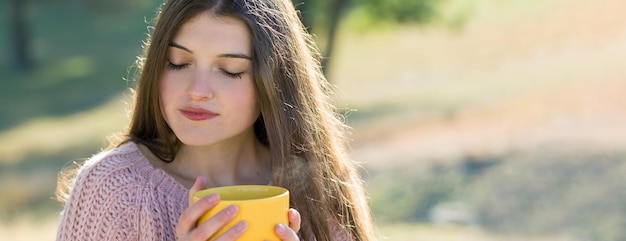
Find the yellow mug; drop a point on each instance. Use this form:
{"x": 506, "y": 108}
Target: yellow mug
{"x": 262, "y": 207}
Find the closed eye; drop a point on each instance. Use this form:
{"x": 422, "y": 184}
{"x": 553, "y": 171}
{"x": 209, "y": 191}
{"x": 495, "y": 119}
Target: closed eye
{"x": 173, "y": 66}
{"x": 232, "y": 75}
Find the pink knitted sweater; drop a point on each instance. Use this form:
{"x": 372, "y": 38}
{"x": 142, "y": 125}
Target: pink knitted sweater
{"x": 119, "y": 195}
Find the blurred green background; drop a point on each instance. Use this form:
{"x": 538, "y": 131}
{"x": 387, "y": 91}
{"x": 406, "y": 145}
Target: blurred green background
{"x": 473, "y": 119}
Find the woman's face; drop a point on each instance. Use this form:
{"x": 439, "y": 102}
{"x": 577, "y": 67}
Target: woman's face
{"x": 207, "y": 91}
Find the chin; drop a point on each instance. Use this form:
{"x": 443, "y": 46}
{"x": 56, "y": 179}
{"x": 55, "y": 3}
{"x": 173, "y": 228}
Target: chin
{"x": 196, "y": 140}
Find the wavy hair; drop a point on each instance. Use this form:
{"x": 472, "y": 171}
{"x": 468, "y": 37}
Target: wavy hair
{"x": 298, "y": 123}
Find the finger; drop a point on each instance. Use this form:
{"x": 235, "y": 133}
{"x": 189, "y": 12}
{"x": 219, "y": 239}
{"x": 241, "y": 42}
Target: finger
{"x": 294, "y": 220}
{"x": 190, "y": 216}
{"x": 215, "y": 223}
{"x": 285, "y": 233}
{"x": 197, "y": 186}
{"x": 234, "y": 232}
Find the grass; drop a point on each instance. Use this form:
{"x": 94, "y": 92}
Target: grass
{"x": 527, "y": 193}
{"x": 47, "y": 136}
{"x": 427, "y": 232}
{"x": 23, "y": 229}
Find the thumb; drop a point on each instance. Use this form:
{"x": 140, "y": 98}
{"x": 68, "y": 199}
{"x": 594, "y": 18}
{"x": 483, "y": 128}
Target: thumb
{"x": 197, "y": 186}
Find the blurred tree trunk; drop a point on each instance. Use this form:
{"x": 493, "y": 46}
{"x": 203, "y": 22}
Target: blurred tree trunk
{"x": 20, "y": 35}
{"x": 335, "y": 17}
{"x": 332, "y": 9}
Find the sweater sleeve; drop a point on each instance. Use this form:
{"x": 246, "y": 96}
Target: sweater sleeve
{"x": 338, "y": 232}
{"x": 101, "y": 205}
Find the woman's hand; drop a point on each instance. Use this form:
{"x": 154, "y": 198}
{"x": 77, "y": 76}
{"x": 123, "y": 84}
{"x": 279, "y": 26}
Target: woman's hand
{"x": 289, "y": 233}
{"x": 186, "y": 228}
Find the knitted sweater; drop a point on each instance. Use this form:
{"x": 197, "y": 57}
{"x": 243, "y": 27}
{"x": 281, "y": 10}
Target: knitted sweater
{"x": 119, "y": 195}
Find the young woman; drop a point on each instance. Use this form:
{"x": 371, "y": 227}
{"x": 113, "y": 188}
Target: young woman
{"x": 230, "y": 92}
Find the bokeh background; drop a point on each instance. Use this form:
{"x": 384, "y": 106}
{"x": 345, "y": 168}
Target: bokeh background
{"x": 473, "y": 119}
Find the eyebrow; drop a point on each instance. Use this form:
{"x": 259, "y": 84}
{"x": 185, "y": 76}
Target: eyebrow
{"x": 233, "y": 55}
{"x": 178, "y": 46}
{"x": 238, "y": 56}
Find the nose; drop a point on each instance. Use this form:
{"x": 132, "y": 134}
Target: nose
{"x": 200, "y": 87}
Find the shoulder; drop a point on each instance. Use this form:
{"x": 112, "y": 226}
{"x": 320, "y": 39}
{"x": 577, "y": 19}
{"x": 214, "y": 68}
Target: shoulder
{"x": 111, "y": 173}
{"x": 124, "y": 168}
{"x": 125, "y": 176}
{"x": 102, "y": 202}
{"x": 124, "y": 156}
{"x": 119, "y": 166}
{"x": 339, "y": 233}
{"x": 119, "y": 195}
{"x": 114, "y": 167}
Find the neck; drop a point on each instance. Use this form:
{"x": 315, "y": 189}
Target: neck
{"x": 245, "y": 161}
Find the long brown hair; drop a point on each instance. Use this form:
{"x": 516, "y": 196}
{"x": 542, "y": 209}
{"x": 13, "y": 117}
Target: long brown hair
{"x": 304, "y": 133}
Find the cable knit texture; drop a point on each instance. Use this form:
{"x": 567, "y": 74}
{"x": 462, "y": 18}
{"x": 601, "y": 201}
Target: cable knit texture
{"x": 119, "y": 195}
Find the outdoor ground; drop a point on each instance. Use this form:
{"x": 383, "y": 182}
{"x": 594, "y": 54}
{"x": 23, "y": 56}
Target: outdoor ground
{"x": 546, "y": 73}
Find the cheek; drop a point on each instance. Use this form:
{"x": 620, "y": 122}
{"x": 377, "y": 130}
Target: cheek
{"x": 162, "y": 93}
{"x": 252, "y": 98}
{"x": 168, "y": 87}
{"x": 244, "y": 100}
{"x": 166, "y": 94}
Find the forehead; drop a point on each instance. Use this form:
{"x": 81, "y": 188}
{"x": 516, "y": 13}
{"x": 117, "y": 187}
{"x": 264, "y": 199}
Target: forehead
{"x": 207, "y": 32}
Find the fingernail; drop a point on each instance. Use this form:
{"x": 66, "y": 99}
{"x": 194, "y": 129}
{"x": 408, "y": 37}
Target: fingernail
{"x": 241, "y": 226}
{"x": 199, "y": 180}
{"x": 293, "y": 213}
{"x": 213, "y": 198}
{"x": 232, "y": 210}
{"x": 281, "y": 228}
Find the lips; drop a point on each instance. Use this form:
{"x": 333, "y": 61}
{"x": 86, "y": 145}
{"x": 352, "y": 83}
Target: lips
{"x": 197, "y": 114}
